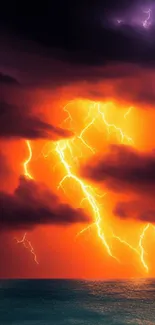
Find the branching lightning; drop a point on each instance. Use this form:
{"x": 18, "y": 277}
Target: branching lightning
{"x": 113, "y": 126}
{"x": 69, "y": 152}
{"x": 61, "y": 148}
{"x": 65, "y": 146}
{"x": 27, "y": 244}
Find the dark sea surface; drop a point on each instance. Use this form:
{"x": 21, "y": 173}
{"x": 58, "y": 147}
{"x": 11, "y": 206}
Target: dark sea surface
{"x": 80, "y": 302}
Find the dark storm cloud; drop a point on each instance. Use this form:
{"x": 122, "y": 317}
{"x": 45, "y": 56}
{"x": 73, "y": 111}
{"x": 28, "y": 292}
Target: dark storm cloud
{"x": 124, "y": 168}
{"x": 142, "y": 209}
{"x": 4, "y": 167}
{"x": 18, "y": 122}
{"x": 5, "y": 79}
{"x": 83, "y": 52}
{"x": 32, "y": 205}
{"x": 39, "y": 68}
{"x": 84, "y": 32}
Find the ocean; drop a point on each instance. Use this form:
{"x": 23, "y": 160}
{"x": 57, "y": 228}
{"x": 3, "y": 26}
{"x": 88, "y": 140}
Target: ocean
{"x": 79, "y": 302}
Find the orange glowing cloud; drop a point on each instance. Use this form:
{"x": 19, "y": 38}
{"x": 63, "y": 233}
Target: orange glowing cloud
{"x": 98, "y": 170}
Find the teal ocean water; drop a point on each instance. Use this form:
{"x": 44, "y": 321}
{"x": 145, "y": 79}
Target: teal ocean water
{"x": 68, "y": 302}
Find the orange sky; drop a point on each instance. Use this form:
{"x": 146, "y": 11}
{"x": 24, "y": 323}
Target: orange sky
{"x": 59, "y": 252}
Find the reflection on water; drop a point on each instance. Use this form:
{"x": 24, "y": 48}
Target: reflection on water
{"x": 65, "y": 302}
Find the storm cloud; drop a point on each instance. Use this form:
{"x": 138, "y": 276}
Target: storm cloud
{"x": 125, "y": 170}
{"x": 19, "y": 123}
{"x": 33, "y": 204}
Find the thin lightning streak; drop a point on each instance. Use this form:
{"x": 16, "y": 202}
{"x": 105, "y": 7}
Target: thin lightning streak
{"x": 26, "y": 172}
{"x": 68, "y": 118}
{"x": 32, "y": 251}
{"x": 82, "y": 133}
{"x": 126, "y": 243}
{"x": 85, "y": 229}
{"x": 113, "y": 126}
{"x": 142, "y": 252}
{"x": 128, "y": 112}
{"x": 27, "y": 244}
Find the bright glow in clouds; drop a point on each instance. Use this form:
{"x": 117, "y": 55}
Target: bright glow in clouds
{"x": 136, "y": 18}
{"x": 95, "y": 120}
{"x": 147, "y": 22}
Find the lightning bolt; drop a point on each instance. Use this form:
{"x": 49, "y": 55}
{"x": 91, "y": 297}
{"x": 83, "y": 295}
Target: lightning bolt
{"x": 85, "y": 229}
{"x": 128, "y": 112}
{"x": 61, "y": 147}
{"x": 27, "y": 244}
{"x": 26, "y": 172}
{"x": 65, "y": 152}
{"x": 113, "y": 126}
{"x": 82, "y": 133}
{"x": 142, "y": 252}
{"x": 126, "y": 243}
{"x": 146, "y": 23}
{"x": 65, "y": 146}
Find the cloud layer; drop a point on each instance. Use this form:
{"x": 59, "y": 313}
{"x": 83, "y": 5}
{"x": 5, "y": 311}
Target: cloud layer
{"x": 125, "y": 81}
{"x": 125, "y": 170}
{"x": 33, "y": 204}
{"x": 142, "y": 208}
{"x": 18, "y": 122}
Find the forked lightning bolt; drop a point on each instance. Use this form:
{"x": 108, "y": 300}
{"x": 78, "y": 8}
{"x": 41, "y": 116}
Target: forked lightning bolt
{"x": 65, "y": 146}
{"x": 65, "y": 150}
{"x": 61, "y": 148}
